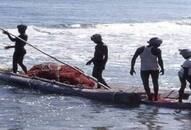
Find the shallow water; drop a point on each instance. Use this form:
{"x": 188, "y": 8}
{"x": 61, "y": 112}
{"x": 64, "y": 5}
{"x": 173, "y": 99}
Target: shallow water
{"x": 20, "y": 109}
{"x": 62, "y": 28}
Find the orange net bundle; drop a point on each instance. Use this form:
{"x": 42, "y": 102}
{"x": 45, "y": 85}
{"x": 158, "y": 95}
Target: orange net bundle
{"x": 61, "y": 73}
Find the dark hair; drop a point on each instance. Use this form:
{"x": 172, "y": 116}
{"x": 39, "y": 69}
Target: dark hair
{"x": 155, "y": 41}
{"x": 96, "y": 37}
{"x": 22, "y": 27}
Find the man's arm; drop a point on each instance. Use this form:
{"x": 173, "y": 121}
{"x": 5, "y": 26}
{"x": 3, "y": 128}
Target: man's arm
{"x": 90, "y": 61}
{"x": 185, "y": 75}
{"x": 160, "y": 61}
{"x": 11, "y": 38}
{"x": 137, "y": 53}
{"x": 105, "y": 58}
{"x": 186, "y": 66}
{"x": 7, "y": 47}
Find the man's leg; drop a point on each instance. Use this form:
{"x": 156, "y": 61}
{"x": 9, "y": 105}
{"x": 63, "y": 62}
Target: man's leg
{"x": 15, "y": 58}
{"x": 145, "y": 79}
{"x": 97, "y": 73}
{"x": 20, "y": 61}
{"x": 94, "y": 72}
{"x": 100, "y": 78}
{"x": 183, "y": 86}
{"x": 189, "y": 80}
{"x": 155, "y": 77}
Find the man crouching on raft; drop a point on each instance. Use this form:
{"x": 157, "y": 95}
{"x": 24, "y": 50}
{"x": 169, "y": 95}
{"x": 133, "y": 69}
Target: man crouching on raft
{"x": 100, "y": 58}
{"x": 19, "y": 48}
{"x": 185, "y": 71}
{"x": 150, "y": 59}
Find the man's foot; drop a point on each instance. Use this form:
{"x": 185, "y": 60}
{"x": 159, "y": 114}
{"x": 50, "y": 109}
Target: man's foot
{"x": 180, "y": 100}
{"x": 156, "y": 98}
{"x": 98, "y": 86}
{"x": 150, "y": 98}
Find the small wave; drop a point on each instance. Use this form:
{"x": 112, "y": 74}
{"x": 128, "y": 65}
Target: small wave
{"x": 53, "y": 29}
{"x": 186, "y": 21}
{"x": 74, "y": 26}
{"x": 49, "y": 29}
{"x": 121, "y": 28}
{"x": 41, "y": 31}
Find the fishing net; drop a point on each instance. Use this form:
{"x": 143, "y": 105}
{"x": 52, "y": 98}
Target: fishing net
{"x": 61, "y": 73}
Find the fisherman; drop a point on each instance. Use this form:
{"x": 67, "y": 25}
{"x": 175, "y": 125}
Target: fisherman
{"x": 185, "y": 71}
{"x": 20, "y": 51}
{"x": 150, "y": 59}
{"x": 100, "y": 58}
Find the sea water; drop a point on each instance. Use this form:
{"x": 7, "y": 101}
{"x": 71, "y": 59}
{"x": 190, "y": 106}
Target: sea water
{"x": 62, "y": 28}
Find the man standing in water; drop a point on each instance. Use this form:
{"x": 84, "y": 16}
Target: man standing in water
{"x": 100, "y": 58}
{"x": 150, "y": 59}
{"x": 185, "y": 71}
{"x": 19, "y": 48}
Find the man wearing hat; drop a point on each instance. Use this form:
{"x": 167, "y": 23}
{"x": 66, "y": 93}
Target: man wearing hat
{"x": 100, "y": 58}
{"x": 19, "y": 48}
{"x": 185, "y": 71}
{"x": 151, "y": 59}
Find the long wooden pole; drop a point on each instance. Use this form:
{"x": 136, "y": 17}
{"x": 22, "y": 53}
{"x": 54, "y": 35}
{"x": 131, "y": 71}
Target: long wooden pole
{"x": 102, "y": 85}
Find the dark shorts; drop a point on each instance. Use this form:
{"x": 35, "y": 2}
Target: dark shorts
{"x": 18, "y": 56}
{"x": 97, "y": 71}
{"x": 183, "y": 82}
{"x": 145, "y": 74}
